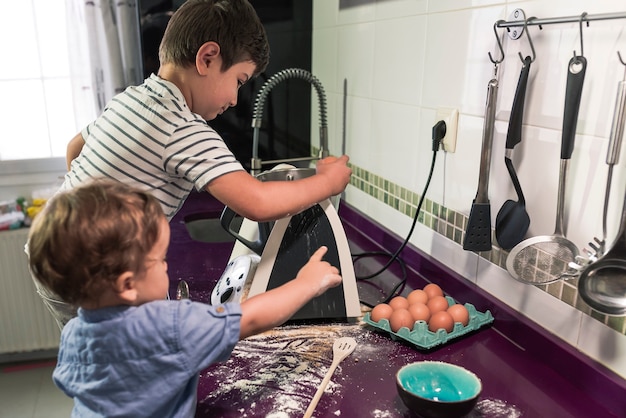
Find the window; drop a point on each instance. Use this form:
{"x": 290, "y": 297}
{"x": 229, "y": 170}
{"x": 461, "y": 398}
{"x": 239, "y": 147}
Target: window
{"x": 37, "y": 117}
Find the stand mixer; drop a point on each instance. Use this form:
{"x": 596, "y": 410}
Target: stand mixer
{"x": 259, "y": 263}
{"x": 269, "y": 254}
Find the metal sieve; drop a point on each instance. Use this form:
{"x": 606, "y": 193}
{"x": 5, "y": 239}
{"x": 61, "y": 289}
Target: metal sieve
{"x": 544, "y": 259}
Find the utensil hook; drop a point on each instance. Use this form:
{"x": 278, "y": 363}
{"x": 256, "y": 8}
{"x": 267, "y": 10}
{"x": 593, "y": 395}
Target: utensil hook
{"x": 623, "y": 63}
{"x": 530, "y": 41}
{"x": 580, "y": 28}
{"x": 494, "y": 61}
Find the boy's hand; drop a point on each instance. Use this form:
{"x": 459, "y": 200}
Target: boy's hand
{"x": 320, "y": 273}
{"x": 336, "y": 171}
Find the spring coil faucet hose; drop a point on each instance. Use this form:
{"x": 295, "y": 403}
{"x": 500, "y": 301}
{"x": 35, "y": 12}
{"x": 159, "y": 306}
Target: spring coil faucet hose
{"x": 259, "y": 105}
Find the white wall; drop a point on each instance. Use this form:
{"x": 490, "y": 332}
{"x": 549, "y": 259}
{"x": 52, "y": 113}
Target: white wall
{"x": 403, "y": 59}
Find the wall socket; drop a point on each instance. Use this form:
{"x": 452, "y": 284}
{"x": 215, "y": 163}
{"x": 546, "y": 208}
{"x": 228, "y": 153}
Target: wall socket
{"x": 451, "y": 118}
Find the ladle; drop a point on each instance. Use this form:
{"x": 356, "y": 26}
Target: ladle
{"x": 602, "y": 284}
{"x": 612, "y": 157}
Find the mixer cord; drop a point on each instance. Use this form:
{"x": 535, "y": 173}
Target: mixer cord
{"x": 438, "y": 132}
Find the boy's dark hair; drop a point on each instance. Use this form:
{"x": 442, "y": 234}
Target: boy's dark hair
{"x": 233, "y": 24}
{"x": 86, "y": 237}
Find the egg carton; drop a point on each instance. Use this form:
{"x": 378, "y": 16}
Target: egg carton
{"x": 423, "y": 338}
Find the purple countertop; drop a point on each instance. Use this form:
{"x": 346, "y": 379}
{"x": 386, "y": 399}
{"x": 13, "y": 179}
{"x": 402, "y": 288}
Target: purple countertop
{"x": 525, "y": 371}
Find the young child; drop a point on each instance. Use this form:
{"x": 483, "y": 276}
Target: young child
{"x": 129, "y": 352}
{"x": 155, "y": 136}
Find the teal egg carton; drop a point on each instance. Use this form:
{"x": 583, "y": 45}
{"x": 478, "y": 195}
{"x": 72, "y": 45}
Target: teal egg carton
{"x": 423, "y": 338}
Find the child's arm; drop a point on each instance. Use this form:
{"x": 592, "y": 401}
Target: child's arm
{"x": 74, "y": 148}
{"x": 271, "y": 200}
{"x": 274, "y": 307}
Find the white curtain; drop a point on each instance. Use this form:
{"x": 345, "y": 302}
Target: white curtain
{"x": 105, "y": 52}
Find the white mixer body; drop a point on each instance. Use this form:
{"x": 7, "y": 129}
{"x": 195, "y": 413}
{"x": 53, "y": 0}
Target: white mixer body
{"x": 291, "y": 242}
{"x": 235, "y": 280}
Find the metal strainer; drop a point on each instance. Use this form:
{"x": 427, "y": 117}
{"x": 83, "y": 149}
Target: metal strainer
{"x": 544, "y": 259}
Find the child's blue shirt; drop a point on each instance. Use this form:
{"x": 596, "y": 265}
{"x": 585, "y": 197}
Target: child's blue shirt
{"x": 143, "y": 361}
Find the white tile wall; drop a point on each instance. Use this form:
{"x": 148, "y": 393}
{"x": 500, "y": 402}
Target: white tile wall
{"x": 398, "y": 72}
{"x": 403, "y": 59}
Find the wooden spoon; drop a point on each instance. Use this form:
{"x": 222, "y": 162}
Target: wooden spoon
{"x": 341, "y": 349}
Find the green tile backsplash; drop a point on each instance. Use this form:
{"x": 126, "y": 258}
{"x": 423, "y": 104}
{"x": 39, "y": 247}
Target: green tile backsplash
{"x": 452, "y": 225}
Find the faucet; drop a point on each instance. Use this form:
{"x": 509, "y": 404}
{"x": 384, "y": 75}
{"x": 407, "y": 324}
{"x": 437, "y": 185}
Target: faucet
{"x": 256, "y": 163}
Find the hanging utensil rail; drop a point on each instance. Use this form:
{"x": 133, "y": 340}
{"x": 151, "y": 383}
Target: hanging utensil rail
{"x": 534, "y": 21}
{"x": 564, "y": 19}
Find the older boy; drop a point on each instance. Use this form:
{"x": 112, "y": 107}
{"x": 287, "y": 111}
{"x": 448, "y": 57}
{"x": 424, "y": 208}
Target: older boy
{"x": 155, "y": 136}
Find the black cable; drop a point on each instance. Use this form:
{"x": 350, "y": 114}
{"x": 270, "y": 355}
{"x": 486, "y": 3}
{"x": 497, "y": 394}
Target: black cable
{"x": 438, "y": 132}
{"x": 398, "y": 287}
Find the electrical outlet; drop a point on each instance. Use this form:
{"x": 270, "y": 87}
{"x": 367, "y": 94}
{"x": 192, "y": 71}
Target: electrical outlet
{"x": 451, "y": 118}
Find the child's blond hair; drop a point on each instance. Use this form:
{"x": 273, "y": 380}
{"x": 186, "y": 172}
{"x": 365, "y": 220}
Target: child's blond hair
{"x": 86, "y": 237}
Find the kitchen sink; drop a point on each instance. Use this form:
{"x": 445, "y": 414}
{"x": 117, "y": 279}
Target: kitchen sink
{"x": 206, "y": 227}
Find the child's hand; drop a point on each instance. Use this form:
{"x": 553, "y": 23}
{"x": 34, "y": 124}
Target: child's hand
{"x": 320, "y": 273}
{"x": 273, "y": 307}
{"x": 336, "y": 171}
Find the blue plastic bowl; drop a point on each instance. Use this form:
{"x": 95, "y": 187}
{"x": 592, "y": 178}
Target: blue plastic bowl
{"x": 434, "y": 389}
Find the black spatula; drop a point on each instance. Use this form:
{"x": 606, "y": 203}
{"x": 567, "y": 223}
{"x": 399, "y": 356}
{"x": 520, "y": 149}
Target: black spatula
{"x": 512, "y": 221}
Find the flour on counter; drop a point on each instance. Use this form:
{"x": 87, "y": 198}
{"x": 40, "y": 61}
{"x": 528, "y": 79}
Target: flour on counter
{"x": 495, "y": 408}
{"x": 281, "y": 367}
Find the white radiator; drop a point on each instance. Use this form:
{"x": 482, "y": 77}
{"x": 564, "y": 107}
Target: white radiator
{"x": 25, "y": 322}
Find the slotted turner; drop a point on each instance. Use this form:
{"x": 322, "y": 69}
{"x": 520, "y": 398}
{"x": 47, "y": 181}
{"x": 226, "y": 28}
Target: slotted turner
{"x": 478, "y": 232}
{"x": 341, "y": 349}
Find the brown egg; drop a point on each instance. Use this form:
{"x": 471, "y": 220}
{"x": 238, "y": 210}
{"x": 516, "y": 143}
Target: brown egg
{"x": 417, "y": 295}
{"x": 401, "y": 317}
{"x": 437, "y": 304}
{"x": 459, "y": 313}
{"x": 381, "y": 311}
{"x": 399, "y": 302}
{"x": 419, "y": 311}
{"x": 441, "y": 319}
{"x": 433, "y": 290}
